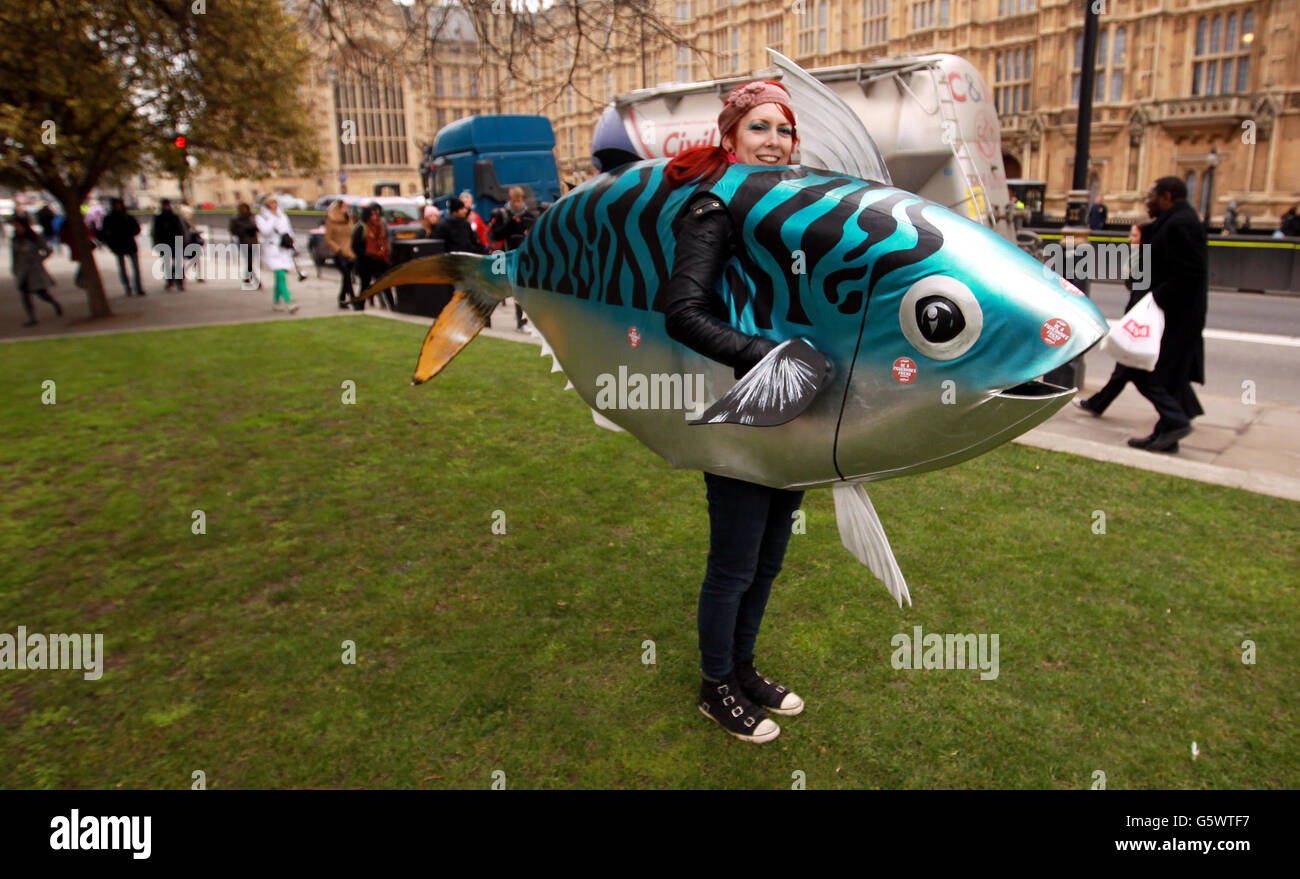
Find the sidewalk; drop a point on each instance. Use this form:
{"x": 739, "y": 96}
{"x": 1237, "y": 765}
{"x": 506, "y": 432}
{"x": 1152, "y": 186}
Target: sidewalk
{"x": 1253, "y": 447}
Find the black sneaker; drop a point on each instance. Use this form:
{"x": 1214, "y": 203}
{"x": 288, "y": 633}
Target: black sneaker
{"x": 725, "y": 702}
{"x": 773, "y": 697}
{"x": 1087, "y": 406}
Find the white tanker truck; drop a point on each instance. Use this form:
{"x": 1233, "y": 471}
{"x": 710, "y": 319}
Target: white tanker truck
{"x": 931, "y": 116}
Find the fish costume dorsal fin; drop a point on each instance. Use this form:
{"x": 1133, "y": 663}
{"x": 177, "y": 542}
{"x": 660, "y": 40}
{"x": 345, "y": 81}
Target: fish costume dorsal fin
{"x": 835, "y": 139}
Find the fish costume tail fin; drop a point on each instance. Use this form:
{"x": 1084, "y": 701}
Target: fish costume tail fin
{"x": 480, "y": 287}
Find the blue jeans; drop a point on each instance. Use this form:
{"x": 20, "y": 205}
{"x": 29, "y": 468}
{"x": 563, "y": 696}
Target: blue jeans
{"x": 749, "y": 528}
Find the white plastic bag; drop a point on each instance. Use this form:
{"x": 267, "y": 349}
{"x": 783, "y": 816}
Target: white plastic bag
{"x": 1135, "y": 340}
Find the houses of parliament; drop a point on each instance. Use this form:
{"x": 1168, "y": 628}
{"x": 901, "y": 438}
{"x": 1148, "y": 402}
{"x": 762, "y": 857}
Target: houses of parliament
{"x": 1207, "y": 90}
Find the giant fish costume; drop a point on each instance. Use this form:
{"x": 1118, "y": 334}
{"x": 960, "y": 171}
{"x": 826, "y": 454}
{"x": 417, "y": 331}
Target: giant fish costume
{"x": 913, "y": 338}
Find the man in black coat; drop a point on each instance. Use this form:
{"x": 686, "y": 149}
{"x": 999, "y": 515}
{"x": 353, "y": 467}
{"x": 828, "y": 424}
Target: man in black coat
{"x": 169, "y": 231}
{"x": 456, "y": 231}
{"x": 118, "y": 231}
{"x": 1180, "y": 272}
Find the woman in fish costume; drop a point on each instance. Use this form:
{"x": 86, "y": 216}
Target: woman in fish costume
{"x": 854, "y": 332}
{"x": 749, "y": 524}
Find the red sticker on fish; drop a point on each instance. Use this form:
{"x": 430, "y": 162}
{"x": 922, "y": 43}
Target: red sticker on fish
{"x": 904, "y": 370}
{"x": 633, "y": 337}
{"x": 1055, "y": 332}
{"x": 1070, "y": 288}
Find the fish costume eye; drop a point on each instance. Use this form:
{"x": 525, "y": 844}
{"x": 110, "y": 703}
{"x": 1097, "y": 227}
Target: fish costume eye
{"x": 941, "y": 317}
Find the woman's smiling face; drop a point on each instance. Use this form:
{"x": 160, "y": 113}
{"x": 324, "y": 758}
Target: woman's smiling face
{"x": 762, "y": 137}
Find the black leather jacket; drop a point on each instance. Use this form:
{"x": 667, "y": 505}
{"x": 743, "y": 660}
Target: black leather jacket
{"x": 696, "y": 316}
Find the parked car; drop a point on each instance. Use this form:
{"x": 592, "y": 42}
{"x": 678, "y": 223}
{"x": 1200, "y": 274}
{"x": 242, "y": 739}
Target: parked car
{"x": 323, "y": 203}
{"x": 287, "y": 202}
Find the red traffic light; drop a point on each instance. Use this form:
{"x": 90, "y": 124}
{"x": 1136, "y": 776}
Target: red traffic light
{"x": 179, "y": 142}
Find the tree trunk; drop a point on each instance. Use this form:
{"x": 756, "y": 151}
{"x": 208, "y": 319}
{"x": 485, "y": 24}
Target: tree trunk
{"x": 94, "y": 285}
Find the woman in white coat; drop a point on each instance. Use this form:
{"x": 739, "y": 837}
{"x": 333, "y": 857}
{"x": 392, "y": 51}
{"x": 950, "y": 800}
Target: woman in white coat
{"x": 272, "y": 226}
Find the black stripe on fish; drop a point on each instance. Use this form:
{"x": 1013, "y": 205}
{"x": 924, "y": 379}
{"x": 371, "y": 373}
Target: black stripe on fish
{"x": 877, "y": 222}
{"x": 624, "y": 254}
{"x": 928, "y": 241}
{"x": 767, "y": 236}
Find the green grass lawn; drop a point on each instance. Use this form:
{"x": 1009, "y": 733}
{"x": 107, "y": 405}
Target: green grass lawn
{"x": 521, "y": 652}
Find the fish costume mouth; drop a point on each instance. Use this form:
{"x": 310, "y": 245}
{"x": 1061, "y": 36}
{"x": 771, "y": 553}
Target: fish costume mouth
{"x": 909, "y": 338}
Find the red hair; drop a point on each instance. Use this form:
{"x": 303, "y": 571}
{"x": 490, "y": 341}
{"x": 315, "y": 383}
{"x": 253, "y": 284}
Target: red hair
{"x": 708, "y": 163}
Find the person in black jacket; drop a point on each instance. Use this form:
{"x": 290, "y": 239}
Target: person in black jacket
{"x": 374, "y": 254}
{"x": 1180, "y": 272}
{"x": 168, "y": 233}
{"x": 749, "y": 524}
{"x": 454, "y": 228}
{"x": 243, "y": 228}
{"x": 507, "y": 229}
{"x": 1121, "y": 375}
{"x": 118, "y": 232}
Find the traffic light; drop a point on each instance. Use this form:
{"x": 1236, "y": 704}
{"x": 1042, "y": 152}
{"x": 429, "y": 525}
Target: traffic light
{"x": 179, "y": 142}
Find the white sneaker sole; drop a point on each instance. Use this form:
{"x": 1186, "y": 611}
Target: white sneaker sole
{"x": 758, "y": 738}
{"x": 797, "y": 708}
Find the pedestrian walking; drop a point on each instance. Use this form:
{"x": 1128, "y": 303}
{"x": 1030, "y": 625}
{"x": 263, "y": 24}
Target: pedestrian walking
{"x": 430, "y": 219}
{"x": 1180, "y": 286}
{"x": 45, "y": 216}
{"x": 193, "y": 243}
{"x": 1121, "y": 375}
{"x": 168, "y": 235}
{"x": 1097, "y": 215}
{"x": 276, "y": 238}
{"x": 243, "y": 229}
{"x": 95, "y": 219}
{"x": 118, "y": 233}
{"x": 475, "y": 221}
{"x": 338, "y": 237}
{"x": 509, "y": 226}
{"x": 374, "y": 254}
{"x": 27, "y": 253}
{"x": 1290, "y": 224}
{"x": 456, "y": 231}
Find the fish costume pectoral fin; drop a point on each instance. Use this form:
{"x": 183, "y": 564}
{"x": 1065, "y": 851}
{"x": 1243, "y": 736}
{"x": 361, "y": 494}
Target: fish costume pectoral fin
{"x": 777, "y": 390}
{"x": 864, "y": 536}
{"x": 480, "y": 289}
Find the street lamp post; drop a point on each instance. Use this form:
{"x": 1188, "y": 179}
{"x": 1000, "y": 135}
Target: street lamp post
{"x": 1076, "y": 215}
{"x": 1075, "y": 234}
